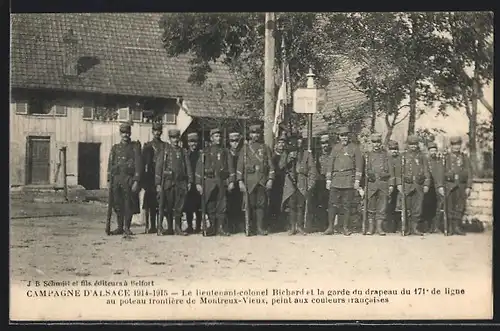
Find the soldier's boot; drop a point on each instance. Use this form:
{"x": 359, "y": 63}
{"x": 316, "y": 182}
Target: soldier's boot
{"x": 380, "y": 228}
{"x": 456, "y": 228}
{"x": 152, "y": 221}
{"x": 119, "y": 229}
{"x": 189, "y": 220}
{"x": 259, "y": 215}
{"x": 170, "y": 222}
{"x": 330, "y": 230}
{"x": 221, "y": 231}
{"x": 414, "y": 228}
{"x": 300, "y": 228}
{"x": 128, "y": 222}
{"x": 198, "y": 222}
{"x": 345, "y": 227}
{"x": 435, "y": 225}
{"x": 177, "y": 227}
{"x": 160, "y": 231}
{"x": 371, "y": 227}
{"x": 293, "y": 224}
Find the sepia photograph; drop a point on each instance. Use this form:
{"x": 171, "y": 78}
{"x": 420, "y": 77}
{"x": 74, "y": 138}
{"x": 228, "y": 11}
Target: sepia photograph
{"x": 314, "y": 166}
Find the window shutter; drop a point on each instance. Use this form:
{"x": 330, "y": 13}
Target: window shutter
{"x": 21, "y": 108}
{"x": 124, "y": 114}
{"x": 88, "y": 113}
{"x": 60, "y": 110}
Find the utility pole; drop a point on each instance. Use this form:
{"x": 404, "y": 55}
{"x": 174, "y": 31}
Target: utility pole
{"x": 269, "y": 54}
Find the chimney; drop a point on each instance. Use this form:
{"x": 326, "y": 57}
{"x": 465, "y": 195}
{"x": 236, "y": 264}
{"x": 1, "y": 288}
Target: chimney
{"x": 70, "y": 54}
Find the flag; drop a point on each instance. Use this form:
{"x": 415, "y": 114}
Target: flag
{"x": 284, "y": 100}
{"x": 183, "y": 118}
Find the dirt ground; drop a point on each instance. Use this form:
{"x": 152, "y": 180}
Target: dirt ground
{"x": 58, "y": 247}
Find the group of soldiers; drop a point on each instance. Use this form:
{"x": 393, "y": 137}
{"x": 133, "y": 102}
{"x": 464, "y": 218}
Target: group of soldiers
{"x": 243, "y": 188}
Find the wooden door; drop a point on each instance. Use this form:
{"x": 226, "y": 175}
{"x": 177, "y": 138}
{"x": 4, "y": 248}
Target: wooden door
{"x": 39, "y": 160}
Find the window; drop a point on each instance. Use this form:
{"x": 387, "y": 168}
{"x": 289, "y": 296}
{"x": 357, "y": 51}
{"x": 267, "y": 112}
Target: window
{"x": 21, "y": 107}
{"x": 39, "y": 107}
{"x": 88, "y": 113}
{"x": 137, "y": 115}
{"x": 170, "y": 118}
{"x": 124, "y": 114}
{"x": 60, "y": 110}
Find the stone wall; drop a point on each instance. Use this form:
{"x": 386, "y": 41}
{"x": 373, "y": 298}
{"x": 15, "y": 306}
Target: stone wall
{"x": 480, "y": 202}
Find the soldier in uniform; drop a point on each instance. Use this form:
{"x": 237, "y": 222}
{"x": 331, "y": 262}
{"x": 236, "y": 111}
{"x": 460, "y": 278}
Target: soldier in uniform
{"x": 218, "y": 172}
{"x": 321, "y": 193}
{"x": 124, "y": 169}
{"x": 458, "y": 179}
{"x": 394, "y": 205}
{"x": 300, "y": 174}
{"x": 343, "y": 179}
{"x": 259, "y": 175}
{"x": 173, "y": 170}
{"x": 276, "y": 195}
{"x": 436, "y": 192}
{"x": 417, "y": 181}
{"x": 193, "y": 198}
{"x": 149, "y": 153}
{"x": 380, "y": 172}
{"x": 235, "y": 196}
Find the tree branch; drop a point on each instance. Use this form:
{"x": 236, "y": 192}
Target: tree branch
{"x": 486, "y": 104}
{"x": 401, "y": 120}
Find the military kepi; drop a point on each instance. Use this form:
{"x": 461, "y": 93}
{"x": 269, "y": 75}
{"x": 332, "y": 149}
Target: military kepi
{"x": 193, "y": 136}
{"x": 324, "y": 136}
{"x": 214, "y": 131}
{"x": 255, "y": 128}
{"x": 157, "y": 126}
{"x": 393, "y": 144}
{"x": 174, "y": 133}
{"x": 343, "y": 130}
{"x": 456, "y": 140}
{"x": 234, "y": 135}
{"x": 125, "y": 128}
{"x": 432, "y": 145}
{"x": 412, "y": 140}
{"x": 376, "y": 137}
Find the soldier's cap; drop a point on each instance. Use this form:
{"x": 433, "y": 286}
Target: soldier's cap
{"x": 174, "y": 133}
{"x": 193, "y": 136}
{"x": 234, "y": 135}
{"x": 125, "y": 128}
{"x": 412, "y": 140}
{"x": 157, "y": 126}
{"x": 456, "y": 140}
{"x": 295, "y": 133}
{"x": 343, "y": 130}
{"x": 255, "y": 128}
{"x": 393, "y": 144}
{"x": 376, "y": 137}
{"x": 432, "y": 145}
{"x": 214, "y": 131}
{"x": 324, "y": 136}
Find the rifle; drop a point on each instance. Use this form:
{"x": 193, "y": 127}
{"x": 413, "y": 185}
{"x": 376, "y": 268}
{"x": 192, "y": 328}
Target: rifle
{"x": 444, "y": 209}
{"x": 110, "y": 205}
{"x": 403, "y": 198}
{"x": 161, "y": 203}
{"x": 365, "y": 198}
{"x": 246, "y": 205}
{"x": 203, "y": 220}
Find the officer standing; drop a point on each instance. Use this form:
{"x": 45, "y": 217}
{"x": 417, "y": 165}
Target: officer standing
{"x": 458, "y": 178}
{"x": 173, "y": 170}
{"x": 417, "y": 181}
{"x": 218, "y": 171}
{"x": 193, "y": 198}
{"x": 321, "y": 193}
{"x": 380, "y": 171}
{"x": 436, "y": 192}
{"x": 258, "y": 171}
{"x": 276, "y": 195}
{"x": 235, "y": 196}
{"x": 149, "y": 153}
{"x": 394, "y": 205}
{"x": 300, "y": 174}
{"x": 346, "y": 164}
{"x": 124, "y": 170}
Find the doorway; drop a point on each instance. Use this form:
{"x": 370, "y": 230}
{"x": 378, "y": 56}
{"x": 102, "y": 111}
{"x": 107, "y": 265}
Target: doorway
{"x": 89, "y": 165}
{"x": 38, "y": 160}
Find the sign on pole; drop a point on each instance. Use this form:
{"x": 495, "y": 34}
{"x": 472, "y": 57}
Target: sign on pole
{"x": 306, "y": 100}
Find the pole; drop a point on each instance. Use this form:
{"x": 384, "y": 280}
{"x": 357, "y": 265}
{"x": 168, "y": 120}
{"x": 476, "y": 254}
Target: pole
{"x": 65, "y": 175}
{"x": 269, "y": 54}
{"x": 309, "y": 131}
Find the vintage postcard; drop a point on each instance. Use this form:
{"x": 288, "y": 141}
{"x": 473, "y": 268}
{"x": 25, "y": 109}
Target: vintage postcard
{"x": 251, "y": 166}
